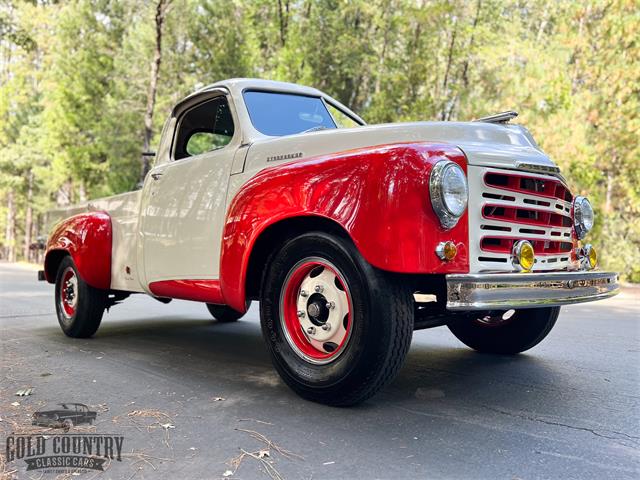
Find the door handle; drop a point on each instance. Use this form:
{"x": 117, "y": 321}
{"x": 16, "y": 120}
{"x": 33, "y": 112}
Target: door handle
{"x": 156, "y": 176}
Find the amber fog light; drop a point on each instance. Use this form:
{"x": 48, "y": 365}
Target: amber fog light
{"x": 523, "y": 255}
{"x": 446, "y": 251}
{"x": 590, "y": 256}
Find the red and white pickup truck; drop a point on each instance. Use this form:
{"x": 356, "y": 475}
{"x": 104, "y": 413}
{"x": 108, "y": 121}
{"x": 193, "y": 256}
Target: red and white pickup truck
{"x": 350, "y": 236}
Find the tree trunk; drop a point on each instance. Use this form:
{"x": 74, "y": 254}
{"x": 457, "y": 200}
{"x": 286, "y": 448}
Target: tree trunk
{"x": 465, "y": 66}
{"x": 161, "y": 10}
{"x": 609, "y": 193}
{"x": 445, "y": 82}
{"x": 63, "y": 195}
{"x": 10, "y": 232}
{"x": 283, "y": 19}
{"x": 82, "y": 192}
{"x": 28, "y": 220}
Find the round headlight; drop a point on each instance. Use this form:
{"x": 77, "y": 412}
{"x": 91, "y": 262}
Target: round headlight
{"x": 582, "y": 216}
{"x": 449, "y": 192}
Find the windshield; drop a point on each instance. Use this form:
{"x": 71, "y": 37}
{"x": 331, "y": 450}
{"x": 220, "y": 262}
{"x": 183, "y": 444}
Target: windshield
{"x": 278, "y": 114}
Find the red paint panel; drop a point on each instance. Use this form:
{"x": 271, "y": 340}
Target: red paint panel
{"x": 197, "y": 290}
{"x": 87, "y": 238}
{"x": 379, "y": 195}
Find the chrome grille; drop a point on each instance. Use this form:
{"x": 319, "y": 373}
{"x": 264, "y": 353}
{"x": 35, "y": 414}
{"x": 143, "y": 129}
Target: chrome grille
{"x": 506, "y": 206}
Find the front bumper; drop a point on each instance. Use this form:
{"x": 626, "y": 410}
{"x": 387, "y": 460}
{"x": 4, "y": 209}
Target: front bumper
{"x": 500, "y": 291}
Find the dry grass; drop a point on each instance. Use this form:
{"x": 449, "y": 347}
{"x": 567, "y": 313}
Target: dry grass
{"x": 262, "y": 456}
{"x": 149, "y": 419}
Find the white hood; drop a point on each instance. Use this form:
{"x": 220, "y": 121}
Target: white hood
{"x": 485, "y": 144}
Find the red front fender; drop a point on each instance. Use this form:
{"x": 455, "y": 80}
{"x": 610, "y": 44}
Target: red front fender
{"x": 379, "y": 195}
{"x": 87, "y": 238}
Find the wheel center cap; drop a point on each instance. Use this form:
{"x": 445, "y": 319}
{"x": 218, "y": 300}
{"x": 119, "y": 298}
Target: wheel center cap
{"x": 314, "y": 310}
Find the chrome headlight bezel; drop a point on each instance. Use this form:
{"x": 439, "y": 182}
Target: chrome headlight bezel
{"x": 583, "y": 216}
{"x": 448, "y": 215}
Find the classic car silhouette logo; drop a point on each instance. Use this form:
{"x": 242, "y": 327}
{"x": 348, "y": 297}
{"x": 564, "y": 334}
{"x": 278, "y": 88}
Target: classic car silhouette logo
{"x": 64, "y": 452}
{"x": 67, "y": 416}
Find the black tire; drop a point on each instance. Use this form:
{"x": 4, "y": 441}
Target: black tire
{"x": 381, "y": 324}
{"x": 83, "y": 320}
{"x": 224, "y": 314}
{"x": 522, "y": 331}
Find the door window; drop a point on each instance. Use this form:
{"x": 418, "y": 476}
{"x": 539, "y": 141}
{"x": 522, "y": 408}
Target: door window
{"x": 204, "y": 128}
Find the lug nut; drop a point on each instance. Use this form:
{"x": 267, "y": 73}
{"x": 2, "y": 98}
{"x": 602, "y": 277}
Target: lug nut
{"x": 311, "y": 330}
{"x": 303, "y": 293}
{"x": 300, "y": 314}
{"x": 319, "y": 289}
{"x": 331, "y": 305}
{"x": 326, "y": 327}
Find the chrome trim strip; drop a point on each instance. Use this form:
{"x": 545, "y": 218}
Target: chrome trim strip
{"x": 487, "y": 291}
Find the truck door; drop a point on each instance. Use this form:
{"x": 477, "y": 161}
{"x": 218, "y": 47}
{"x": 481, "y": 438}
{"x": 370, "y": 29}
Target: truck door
{"x": 183, "y": 199}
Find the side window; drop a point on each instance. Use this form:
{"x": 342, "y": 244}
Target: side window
{"x": 204, "y": 128}
{"x": 342, "y": 120}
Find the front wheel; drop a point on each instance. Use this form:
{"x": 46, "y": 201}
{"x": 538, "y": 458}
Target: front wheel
{"x": 507, "y": 332}
{"x": 79, "y": 306}
{"x": 337, "y": 329}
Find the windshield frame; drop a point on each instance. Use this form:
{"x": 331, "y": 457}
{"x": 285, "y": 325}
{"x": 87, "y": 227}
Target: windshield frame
{"x": 324, "y": 99}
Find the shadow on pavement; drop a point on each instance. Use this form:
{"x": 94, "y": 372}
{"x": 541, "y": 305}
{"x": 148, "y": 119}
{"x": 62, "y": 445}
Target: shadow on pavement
{"x": 431, "y": 374}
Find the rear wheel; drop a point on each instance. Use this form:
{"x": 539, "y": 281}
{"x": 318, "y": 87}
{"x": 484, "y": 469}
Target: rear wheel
{"x": 508, "y": 332}
{"x": 337, "y": 329}
{"x": 223, "y": 314}
{"x": 79, "y": 306}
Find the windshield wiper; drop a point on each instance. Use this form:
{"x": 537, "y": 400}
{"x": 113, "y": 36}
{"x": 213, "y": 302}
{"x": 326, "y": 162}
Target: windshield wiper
{"x": 315, "y": 129}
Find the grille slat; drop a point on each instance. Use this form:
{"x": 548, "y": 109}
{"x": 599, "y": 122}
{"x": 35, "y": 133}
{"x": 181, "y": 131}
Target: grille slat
{"x": 519, "y": 206}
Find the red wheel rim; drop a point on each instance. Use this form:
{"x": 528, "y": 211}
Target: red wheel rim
{"x": 316, "y": 311}
{"x": 69, "y": 293}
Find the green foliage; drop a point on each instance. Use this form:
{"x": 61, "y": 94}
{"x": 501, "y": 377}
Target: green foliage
{"x": 74, "y": 78}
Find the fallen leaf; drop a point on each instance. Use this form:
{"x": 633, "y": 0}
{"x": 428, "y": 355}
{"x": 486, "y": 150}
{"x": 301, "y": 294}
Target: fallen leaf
{"x": 15, "y": 404}
{"x": 228, "y": 473}
{"x": 263, "y": 453}
{"x": 217, "y": 399}
{"x": 167, "y": 426}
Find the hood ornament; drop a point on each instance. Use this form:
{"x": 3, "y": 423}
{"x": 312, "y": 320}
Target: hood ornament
{"x": 503, "y": 117}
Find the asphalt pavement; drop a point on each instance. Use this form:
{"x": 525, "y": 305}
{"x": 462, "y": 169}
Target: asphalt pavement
{"x": 190, "y": 395}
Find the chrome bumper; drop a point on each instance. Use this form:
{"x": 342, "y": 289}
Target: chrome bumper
{"x": 490, "y": 291}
